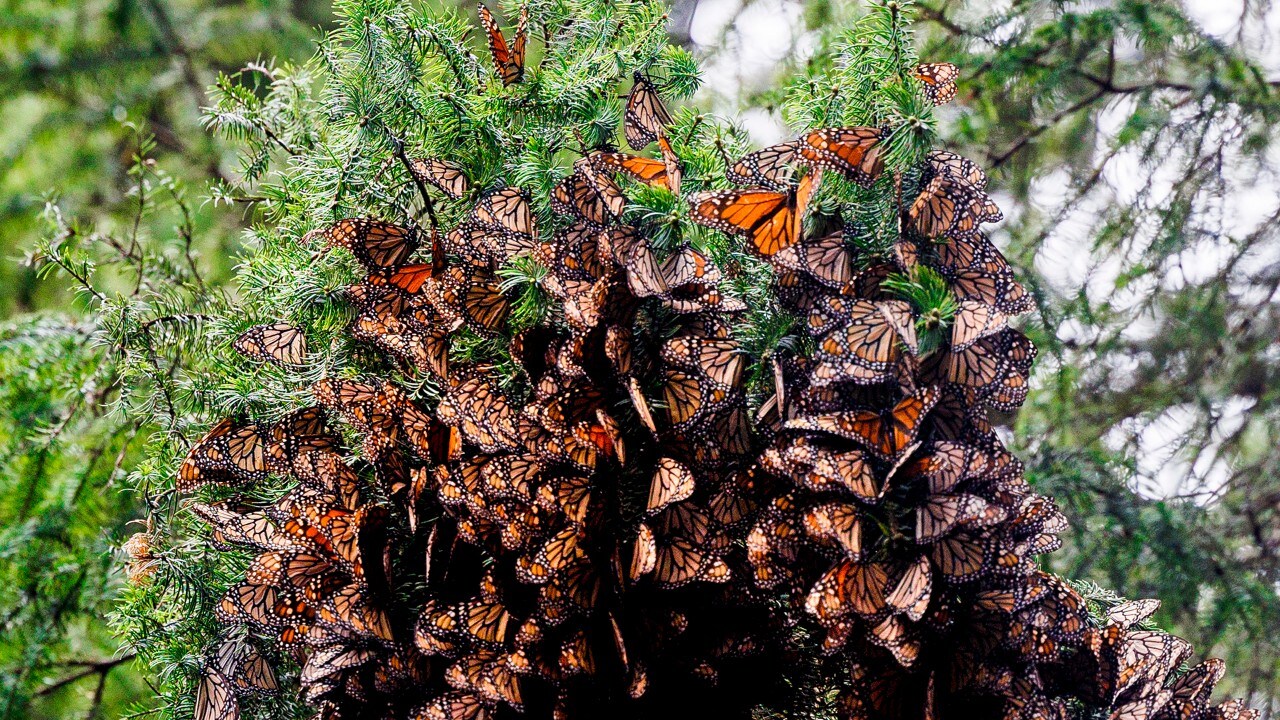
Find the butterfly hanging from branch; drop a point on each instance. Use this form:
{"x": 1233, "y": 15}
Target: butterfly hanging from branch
{"x": 508, "y": 59}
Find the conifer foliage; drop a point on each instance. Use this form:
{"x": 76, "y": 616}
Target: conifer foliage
{"x": 590, "y": 433}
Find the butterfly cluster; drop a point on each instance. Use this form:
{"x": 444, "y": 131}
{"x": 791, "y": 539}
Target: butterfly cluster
{"x": 891, "y": 514}
{"x": 606, "y": 519}
{"x": 317, "y": 586}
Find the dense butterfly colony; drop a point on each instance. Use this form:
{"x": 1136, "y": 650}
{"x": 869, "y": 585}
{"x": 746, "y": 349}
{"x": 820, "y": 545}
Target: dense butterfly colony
{"x": 630, "y": 533}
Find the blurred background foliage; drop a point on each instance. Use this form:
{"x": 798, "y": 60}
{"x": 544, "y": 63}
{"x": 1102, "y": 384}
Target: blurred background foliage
{"x": 83, "y": 85}
{"x": 1133, "y": 142}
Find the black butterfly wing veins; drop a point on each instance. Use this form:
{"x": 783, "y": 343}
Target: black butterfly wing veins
{"x": 938, "y": 80}
{"x": 508, "y": 59}
{"x": 377, "y": 244}
{"x": 278, "y": 343}
{"x": 646, "y": 116}
{"x": 448, "y": 177}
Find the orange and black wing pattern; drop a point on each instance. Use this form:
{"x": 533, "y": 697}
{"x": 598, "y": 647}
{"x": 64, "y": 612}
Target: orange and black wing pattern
{"x": 771, "y": 220}
{"x": 507, "y": 59}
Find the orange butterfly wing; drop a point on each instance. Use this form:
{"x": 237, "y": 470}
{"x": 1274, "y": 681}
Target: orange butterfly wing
{"x": 772, "y": 220}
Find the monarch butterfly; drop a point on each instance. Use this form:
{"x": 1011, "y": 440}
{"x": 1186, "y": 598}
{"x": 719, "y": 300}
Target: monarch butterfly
{"x": 619, "y": 348}
{"x": 368, "y": 407}
{"x": 1130, "y": 613}
{"x": 266, "y": 569}
{"x": 447, "y": 176}
{"x": 711, "y": 325}
{"x": 508, "y": 219}
{"x": 586, "y": 305}
{"x": 950, "y": 206}
{"x": 215, "y": 698}
{"x": 487, "y": 674}
{"x": 700, "y": 297}
{"x": 646, "y": 170}
{"x": 246, "y": 668}
{"x": 637, "y": 682}
{"x": 279, "y": 343}
{"x": 885, "y": 434}
{"x": 427, "y": 350}
{"x": 264, "y": 607}
{"x": 333, "y": 660}
{"x": 973, "y": 321}
{"x": 771, "y": 549}
{"x": 672, "y": 482}
{"x": 852, "y": 151}
{"x": 721, "y": 361}
{"x": 686, "y": 519}
{"x": 938, "y": 81}
{"x": 327, "y": 473}
{"x": 911, "y": 595}
{"x": 646, "y": 117}
{"x": 732, "y": 426}
{"x": 229, "y": 454}
{"x": 575, "y": 254}
{"x": 453, "y": 706}
{"x": 949, "y": 163}
{"x": 691, "y": 397}
{"x": 576, "y": 656}
{"x": 867, "y": 342}
{"x": 1190, "y": 693}
{"x": 430, "y": 439}
{"x": 825, "y": 259}
{"x": 997, "y": 289}
{"x": 822, "y": 469}
{"x": 988, "y": 360}
{"x": 328, "y": 529}
{"x": 640, "y": 404}
{"x": 795, "y": 291}
{"x": 487, "y": 622}
{"x": 1141, "y": 707}
{"x": 509, "y": 60}
{"x": 772, "y": 220}
{"x": 563, "y": 549}
{"x": 899, "y": 639}
{"x": 686, "y": 266}
{"x": 848, "y": 586}
{"x": 349, "y": 609}
{"x": 477, "y": 244}
{"x": 671, "y": 162}
{"x": 376, "y": 244}
{"x": 941, "y": 514}
{"x": 962, "y": 556}
{"x": 571, "y": 496}
{"x": 574, "y": 590}
{"x": 511, "y": 476}
{"x": 478, "y": 408}
{"x": 471, "y": 295}
{"x": 644, "y": 552}
{"x": 680, "y": 561}
{"x": 772, "y": 167}
{"x": 947, "y": 464}
{"x": 971, "y": 252}
{"x": 1122, "y": 659}
{"x": 301, "y": 431}
{"x": 589, "y": 196}
{"x": 253, "y": 529}
{"x": 838, "y": 523}
{"x": 631, "y": 250}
